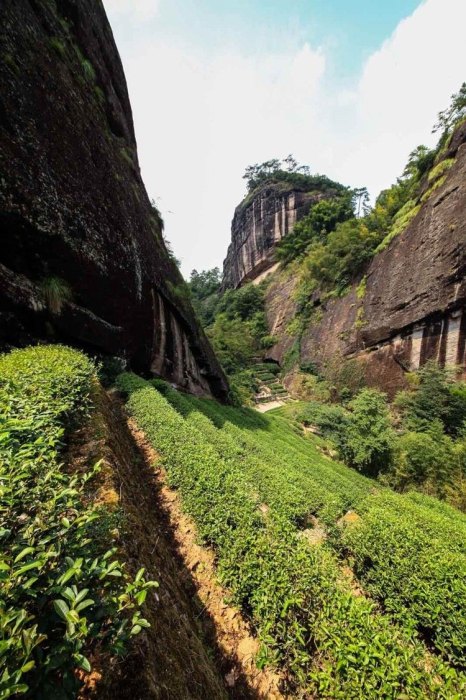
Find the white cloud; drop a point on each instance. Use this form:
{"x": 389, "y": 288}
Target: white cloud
{"x": 137, "y": 10}
{"x": 202, "y": 116}
{"x": 402, "y": 88}
{"x": 200, "y": 120}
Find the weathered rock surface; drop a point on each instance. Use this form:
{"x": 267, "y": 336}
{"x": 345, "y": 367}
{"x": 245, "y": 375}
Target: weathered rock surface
{"x": 413, "y": 306}
{"x": 259, "y": 223}
{"x": 73, "y": 205}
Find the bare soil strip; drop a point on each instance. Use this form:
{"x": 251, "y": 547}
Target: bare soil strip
{"x": 233, "y": 636}
{"x": 198, "y": 646}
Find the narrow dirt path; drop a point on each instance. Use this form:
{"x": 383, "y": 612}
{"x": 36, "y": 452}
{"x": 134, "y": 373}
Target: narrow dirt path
{"x": 172, "y": 660}
{"x": 198, "y": 647}
{"x": 268, "y": 405}
{"x": 232, "y": 634}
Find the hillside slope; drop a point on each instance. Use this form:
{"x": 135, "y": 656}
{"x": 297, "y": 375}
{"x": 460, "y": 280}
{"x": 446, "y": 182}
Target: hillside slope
{"x": 344, "y": 607}
{"x": 82, "y": 257}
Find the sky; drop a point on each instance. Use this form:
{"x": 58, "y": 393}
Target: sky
{"x": 349, "y": 88}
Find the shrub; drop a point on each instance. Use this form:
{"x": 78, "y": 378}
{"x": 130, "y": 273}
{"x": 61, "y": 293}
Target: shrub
{"x": 331, "y": 420}
{"x": 419, "y": 458}
{"x": 345, "y": 377}
{"x": 205, "y": 293}
{"x": 245, "y": 302}
{"x": 310, "y": 368}
{"x": 109, "y": 368}
{"x": 440, "y": 169}
{"x": 233, "y": 341}
{"x": 401, "y": 220}
{"x": 57, "y": 45}
{"x": 435, "y": 186}
{"x": 239, "y": 331}
{"x": 63, "y": 590}
{"x": 88, "y": 70}
{"x": 362, "y": 435}
{"x": 435, "y": 398}
{"x": 243, "y": 385}
{"x": 403, "y": 559}
{"x": 288, "y": 172}
{"x": 270, "y": 367}
{"x": 268, "y": 341}
{"x": 454, "y": 418}
{"x": 319, "y": 222}
{"x": 361, "y": 288}
{"x": 308, "y": 387}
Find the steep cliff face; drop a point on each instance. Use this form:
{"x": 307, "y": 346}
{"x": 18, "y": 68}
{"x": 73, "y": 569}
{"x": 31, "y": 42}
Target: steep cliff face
{"x": 413, "y": 306}
{"x": 259, "y": 223}
{"x": 82, "y": 257}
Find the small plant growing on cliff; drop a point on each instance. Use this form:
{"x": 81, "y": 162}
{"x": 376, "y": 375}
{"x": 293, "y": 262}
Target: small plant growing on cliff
{"x": 57, "y": 45}
{"x": 360, "y": 318}
{"x": 127, "y": 155}
{"x": 55, "y": 292}
{"x": 88, "y": 70}
{"x": 361, "y": 288}
{"x": 440, "y": 169}
{"x": 156, "y": 215}
{"x": 9, "y": 61}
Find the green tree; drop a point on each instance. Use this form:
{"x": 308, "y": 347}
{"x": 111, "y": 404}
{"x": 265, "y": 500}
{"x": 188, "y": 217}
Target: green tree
{"x": 369, "y": 435}
{"x": 335, "y": 263}
{"x": 420, "y": 160}
{"x": 205, "y": 293}
{"x": 233, "y": 341}
{"x": 245, "y": 302}
{"x": 361, "y": 201}
{"x": 205, "y": 283}
{"x": 289, "y": 171}
{"x": 455, "y": 112}
{"x": 423, "y": 461}
{"x": 258, "y": 173}
{"x": 316, "y": 225}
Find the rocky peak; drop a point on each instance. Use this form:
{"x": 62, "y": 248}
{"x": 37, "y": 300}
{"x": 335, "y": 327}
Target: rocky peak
{"x": 263, "y": 218}
{"x": 411, "y": 306}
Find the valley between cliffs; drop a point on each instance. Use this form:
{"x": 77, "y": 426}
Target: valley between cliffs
{"x": 245, "y": 487}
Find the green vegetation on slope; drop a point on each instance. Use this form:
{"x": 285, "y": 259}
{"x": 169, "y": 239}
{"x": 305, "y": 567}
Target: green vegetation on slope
{"x": 236, "y": 326}
{"x": 255, "y": 486}
{"x": 418, "y": 442}
{"x": 321, "y": 220}
{"x": 64, "y": 592}
{"x": 333, "y": 256}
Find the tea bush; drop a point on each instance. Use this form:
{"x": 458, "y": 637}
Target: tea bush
{"x": 249, "y": 481}
{"x": 419, "y": 574}
{"x": 64, "y": 593}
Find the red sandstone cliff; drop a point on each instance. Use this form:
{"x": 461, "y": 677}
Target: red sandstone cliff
{"x": 413, "y": 306}
{"x": 73, "y": 206}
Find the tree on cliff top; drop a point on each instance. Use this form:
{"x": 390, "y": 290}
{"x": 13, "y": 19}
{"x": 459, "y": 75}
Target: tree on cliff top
{"x": 286, "y": 170}
{"x": 450, "y": 117}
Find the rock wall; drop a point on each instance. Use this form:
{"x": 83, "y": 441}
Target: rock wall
{"x": 82, "y": 258}
{"x": 259, "y": 223}
{"x": 413, "y": 308}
